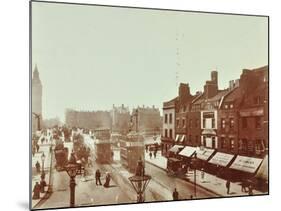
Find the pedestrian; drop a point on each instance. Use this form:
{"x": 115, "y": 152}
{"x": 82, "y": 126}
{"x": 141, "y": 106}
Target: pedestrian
{"x": 107, "y": 180}
{"x": 146, "y": 148}
{"x": 150, "y": 155}
{"x": 33, "y": 151}
{"x": 37, "y": 147}
{"x": 227, "y": 186}
{"x": 243, "y": 186}
{"x": 139, "y": 168}
{"x": 42, "y": 185}
{"x": 155, "y": 152}
{"x": 202, "y": 174}
{"x": 250, "y": 192}
{"x": 175, "y": 194}
{"x": 98, "y": 175}
{"x": 36, "y": 191}
{"x": 43, "y": 175}
{"x": 112, "y": 155}
{"x": 37, "y": 166}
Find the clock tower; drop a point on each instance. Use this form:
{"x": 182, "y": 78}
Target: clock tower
{"x": 36, "y": 101}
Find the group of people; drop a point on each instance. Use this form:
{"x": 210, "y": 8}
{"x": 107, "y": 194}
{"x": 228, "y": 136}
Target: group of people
{"x": 98, "y": 179}
{"x": 243, "y": 187}
{"x": 39, "y": 187}
{"x": 151, "y": 149}
{"x": 35, "y": 149}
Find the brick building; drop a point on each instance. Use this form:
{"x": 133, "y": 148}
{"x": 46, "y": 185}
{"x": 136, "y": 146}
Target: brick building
{"x": 228, "y": 129}
{"x": 88, "y": 119}
{"x": 182, "y": 108}
{"x": 120, "y": 117}
{"x": 253, "y": 113}
{"x": 168, "y": 128}
{"x": 146, "y": 120}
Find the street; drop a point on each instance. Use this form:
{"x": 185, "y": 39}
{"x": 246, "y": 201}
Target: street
{"x": 120, "y": 191}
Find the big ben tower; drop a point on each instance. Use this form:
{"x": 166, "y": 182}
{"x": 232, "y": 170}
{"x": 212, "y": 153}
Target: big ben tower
{"x": 36, "y": 101}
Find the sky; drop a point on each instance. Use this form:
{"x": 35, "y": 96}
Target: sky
{"x": 91, "y": 57}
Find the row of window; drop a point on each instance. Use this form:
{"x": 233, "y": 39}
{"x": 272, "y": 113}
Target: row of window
{"x": 223, "y": 123}
{"x": 245, "y": 120}
{"x": 251, "y": 146}
{"x": 192, "y": 123}
{"x": 170, "y": 135}
{"x": 244, "y": 145}
{"x": 258, "y": 122}
{"x": 170, "y": 118}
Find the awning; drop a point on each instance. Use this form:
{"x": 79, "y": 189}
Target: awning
{"x": 208, "y": 132}
{"x": 134, "y": 144}
{"x": 176, "y": 148}
{"x": 182, "y": 139}
{"x": 222, "y": 159}
{"x": 173, "y": 159}
{"x": 204, "y": 154}
{"x": 178, "y": 137}
{"x": 251, "y": 112}
{"x": 187, "y": 151}
{"x": 247, "y": 164}
{"x": 263, "y": 170}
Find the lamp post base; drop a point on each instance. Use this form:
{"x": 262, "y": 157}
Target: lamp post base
{"x": 72, "y": 191}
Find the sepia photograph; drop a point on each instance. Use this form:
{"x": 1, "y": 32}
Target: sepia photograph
{"x": 139, "y": 105}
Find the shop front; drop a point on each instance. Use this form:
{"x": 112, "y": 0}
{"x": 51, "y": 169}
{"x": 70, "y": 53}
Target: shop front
{"x": 244, "y": 168}
{"x": 261, "y": 178}
{"x": 174, "y": 151}
{"x": 219, "y": 163}
{"x": 203, "y": 155}
{"x": 186, "y": 154}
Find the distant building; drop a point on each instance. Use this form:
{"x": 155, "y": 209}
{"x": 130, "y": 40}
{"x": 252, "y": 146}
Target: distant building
{"x": 120, "y": 117}
{"x": 36, "y": 100}
{"x": 146, "y": 120}
{"x": 50, "y": 123}
{"x": 168, "y": 127}
{"x": 88, "y": 119}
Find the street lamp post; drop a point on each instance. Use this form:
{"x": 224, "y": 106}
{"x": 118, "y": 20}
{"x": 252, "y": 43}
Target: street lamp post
{"x": 140, "y": 181}
{"x": 194, "y": 164}
{"x": 72, "y": 169}
{"x": 43, "y": 161}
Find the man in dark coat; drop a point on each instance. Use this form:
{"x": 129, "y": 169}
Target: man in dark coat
{"x": 175, "y": 195}
{"x": 37, "y": 147}
{"x": 227, "y": 185}
{"x": 36, "y": 191}
{"x": 42, "y": 186}
{"x": 107, "y": 180}
{"x": 250, "y": 191}
{"x": 98, "y": 175}
{"x": 37, "y": 166}
{"x": 155, "y": 153}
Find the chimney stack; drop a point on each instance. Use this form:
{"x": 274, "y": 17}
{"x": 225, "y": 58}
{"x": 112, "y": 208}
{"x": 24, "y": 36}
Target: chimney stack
{"x": 184, "y": 91}
{"x": 211, "y": 87}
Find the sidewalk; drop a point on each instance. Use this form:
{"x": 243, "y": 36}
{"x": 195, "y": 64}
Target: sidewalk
{"x": 209, "y": 182}
{"x": 36, "y": 177}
